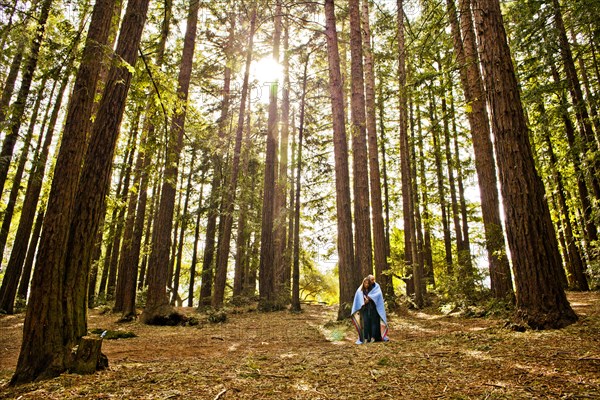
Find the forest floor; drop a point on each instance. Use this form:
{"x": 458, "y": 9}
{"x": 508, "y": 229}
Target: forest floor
{"x": 307, "y": 356}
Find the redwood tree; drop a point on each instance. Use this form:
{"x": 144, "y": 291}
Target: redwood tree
{"x": 541, "y": 300}
{"x": 157, "y": 303}
{"x": 57, "y": 316}
{"x": 349, "y": 275}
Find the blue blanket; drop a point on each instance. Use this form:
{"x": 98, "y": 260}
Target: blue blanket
{"x": 377, "y": 297}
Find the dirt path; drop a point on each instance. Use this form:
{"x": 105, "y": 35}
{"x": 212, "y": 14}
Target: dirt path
{"x": 286, "y": 356}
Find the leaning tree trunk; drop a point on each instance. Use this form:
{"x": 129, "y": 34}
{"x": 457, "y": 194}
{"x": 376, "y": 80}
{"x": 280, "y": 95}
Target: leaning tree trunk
{"x": 470, "y": 77}
{"x": 31, "y": 251}
{"x": 18, "y": 107}
{"x": 57, "y": 316}
{"x": 157, "y": 303}
{"x": 580, "y": 107}
{"x": 576, "y": 277}
{"x": 541, "y": 301}
{"x": 349, "y": 275}
{"x": 16, "y": 180}
{"x": 9, "y": 83}
{"x": 10, "y": 283}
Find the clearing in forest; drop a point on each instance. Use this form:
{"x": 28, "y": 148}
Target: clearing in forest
{"x": 307, "y": 356}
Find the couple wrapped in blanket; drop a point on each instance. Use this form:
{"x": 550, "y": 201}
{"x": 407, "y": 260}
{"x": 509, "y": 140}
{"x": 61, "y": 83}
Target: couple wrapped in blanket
{"x": 368, "y": 312}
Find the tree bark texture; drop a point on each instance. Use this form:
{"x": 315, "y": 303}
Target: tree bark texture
{"x": 541, "y": 301}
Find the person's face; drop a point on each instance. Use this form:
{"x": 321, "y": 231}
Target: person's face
{"x": 372, "y": 280}
{"x": 365, "y": 284}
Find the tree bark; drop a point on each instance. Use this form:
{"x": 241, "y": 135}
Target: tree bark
{"x": 9, "y": 84}
{"x": 157, "y": 303}
{"x": 541, "y": 301}
{"x": 268, "y": 300}
{"x": 56, "y": 318}
{"x": 229, "y": 195}
{"x": 349, "y": 275}
{"x": 18, "y": 106}
{"x": 360, "y": 169}
{"x": 576, "y": 277}
{"x": 8, "y": 212}
{"x": 196, "y": 239}
{"x": 8, "y": 290}
{"x": 441, "y": 187}
{"x": 184, "y": 224}
{"x": 31, "y": 251}
{"x": 379, "y": 243}
{"x": 583, "y": 119}
{"x": 282, "y": 264}
{"x": 485, "y": 165}
{"x": 297, "y": 205}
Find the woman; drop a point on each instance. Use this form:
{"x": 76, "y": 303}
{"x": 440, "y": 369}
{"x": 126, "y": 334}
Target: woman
{"x": 368, "y": 302}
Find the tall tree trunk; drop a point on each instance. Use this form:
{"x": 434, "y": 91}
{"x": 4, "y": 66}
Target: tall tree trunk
{"x": 195, "y": 248}
{"x": 122, "y": 197}
{"x": 175, "y": 231}
{"x": 142, "y": 282}
{"x": 31, "y": 251}
{"x": 56, "y": 318}
{"x": 464, "y": 252}
{"x": 380, "y": 257}
{"x": 577, "y": 276}
{"x": 585, "y": 79}
{"x": 10, "y": 283}
{"x": 6, "y": 29}
{"x": 268, "y": 290}
{"x": 362, "y": 215}
{"x": 541, "y": 301}
{"x": 243, "y": 236}
{"x": 8, "y": 212}
{"x": 157, "y": 304}
{"x": 229, "y": 195}
{"x": 131, "y": 258}
{"x": 184, "y": 224}
{"x": 579, "y": 104}
{"x": 349, "y": 275}
{"x": 18, "y": 107}
{"x": 282, "y": 264}
{"x": 95, "y": 263}
{"x": 9, "y": 83}
{"x": 485, "y": 165}
{"x": 415, "y": 285}
{"x": 418, "y": 223}
{"x": 216, "y": 193}
{"x": 427, "y": 251}
{"x": 297, "y": 205}
{"x": 386, "y": 278}
{"x": 441, "y": 187}
{"x": 462, "y": 275}
{"x": 590, "y": 230}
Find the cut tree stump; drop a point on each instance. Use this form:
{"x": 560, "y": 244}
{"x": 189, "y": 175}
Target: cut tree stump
{"x": 88, "y": 357}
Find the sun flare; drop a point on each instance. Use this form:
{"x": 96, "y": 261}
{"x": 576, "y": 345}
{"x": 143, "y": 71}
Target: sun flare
{"x": 266, "y": 70}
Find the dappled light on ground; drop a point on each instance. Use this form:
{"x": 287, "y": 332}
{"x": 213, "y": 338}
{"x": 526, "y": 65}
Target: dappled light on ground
{"x": 311, "y": 356}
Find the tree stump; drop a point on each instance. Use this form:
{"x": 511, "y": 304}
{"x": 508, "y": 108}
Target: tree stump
{"x": 88, "y": 357}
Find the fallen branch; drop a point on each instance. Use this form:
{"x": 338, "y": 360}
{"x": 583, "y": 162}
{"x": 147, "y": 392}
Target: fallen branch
{"x": 221, "y": 393}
